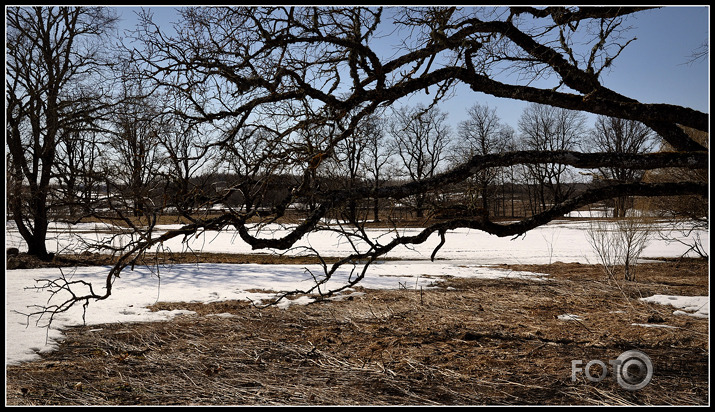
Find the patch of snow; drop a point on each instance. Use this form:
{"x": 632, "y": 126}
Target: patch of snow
{"x": 652, "y": 325}
{"x": 697, "y": 306}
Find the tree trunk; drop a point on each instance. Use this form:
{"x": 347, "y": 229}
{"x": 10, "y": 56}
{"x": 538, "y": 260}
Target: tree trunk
{"x": 37, "y": 247}
{"x": 419, "y": 206}
{"x": 35, "y": 239}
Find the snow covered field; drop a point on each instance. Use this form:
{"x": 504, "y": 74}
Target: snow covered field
{"x": 466, "y": 253}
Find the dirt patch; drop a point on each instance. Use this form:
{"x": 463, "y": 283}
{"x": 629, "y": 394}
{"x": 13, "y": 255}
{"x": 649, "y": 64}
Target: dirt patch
{"x": 467, "y": 342}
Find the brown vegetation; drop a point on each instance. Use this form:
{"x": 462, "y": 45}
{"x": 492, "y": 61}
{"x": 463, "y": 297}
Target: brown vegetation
{"x": 466, "y": 342}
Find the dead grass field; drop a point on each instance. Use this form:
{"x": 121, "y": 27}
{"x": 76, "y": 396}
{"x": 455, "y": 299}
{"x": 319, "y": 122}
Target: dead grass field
{"x": 467, "y": 342}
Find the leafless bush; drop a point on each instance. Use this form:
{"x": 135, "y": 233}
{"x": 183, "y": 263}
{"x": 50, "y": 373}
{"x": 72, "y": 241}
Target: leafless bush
{"x": 620, "y": 242}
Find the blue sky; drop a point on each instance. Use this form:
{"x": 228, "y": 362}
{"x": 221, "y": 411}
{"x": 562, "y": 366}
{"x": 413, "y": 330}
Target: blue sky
{"x": 652, "y": 69}
{"x": 655, "y": 69}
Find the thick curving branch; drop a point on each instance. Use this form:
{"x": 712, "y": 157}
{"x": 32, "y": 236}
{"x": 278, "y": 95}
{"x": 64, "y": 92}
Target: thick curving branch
{"x": 366, "y": 258}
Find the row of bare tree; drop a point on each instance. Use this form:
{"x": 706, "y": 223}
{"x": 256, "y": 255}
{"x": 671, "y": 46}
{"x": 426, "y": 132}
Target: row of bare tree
{"x": 145, "y": 165}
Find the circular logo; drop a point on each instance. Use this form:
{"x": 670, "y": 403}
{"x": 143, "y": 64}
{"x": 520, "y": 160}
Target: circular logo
{"x": 634, "y": 370}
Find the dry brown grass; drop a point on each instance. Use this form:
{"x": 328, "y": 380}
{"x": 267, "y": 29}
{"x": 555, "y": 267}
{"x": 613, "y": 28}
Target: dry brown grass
{"x": 468, "y": 342}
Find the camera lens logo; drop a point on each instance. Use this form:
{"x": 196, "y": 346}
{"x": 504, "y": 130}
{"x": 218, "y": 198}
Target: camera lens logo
{"x": 634, "y": 370}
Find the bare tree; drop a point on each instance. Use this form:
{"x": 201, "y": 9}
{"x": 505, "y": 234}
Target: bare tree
{"x": 133, "y": 166}
{"x": 253, "y": 161}
{"x": 613, "y": 135}
{"x": 421, "y": 137}
{"x": 377, "y": 157}
{"x": 509, "y": 174}
{"x": 185, "y": 153}
{"x": 347, "y": 169}
{"x": 78, "y": 177}
{"x": 482, "y": 133}
{"x": 299, "y": 70}
{"x": 550, "y": 129}
{"x": 53, "y": 55}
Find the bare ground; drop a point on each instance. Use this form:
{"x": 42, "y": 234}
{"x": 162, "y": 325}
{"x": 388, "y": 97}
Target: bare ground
{"x": 467, "y": 342}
